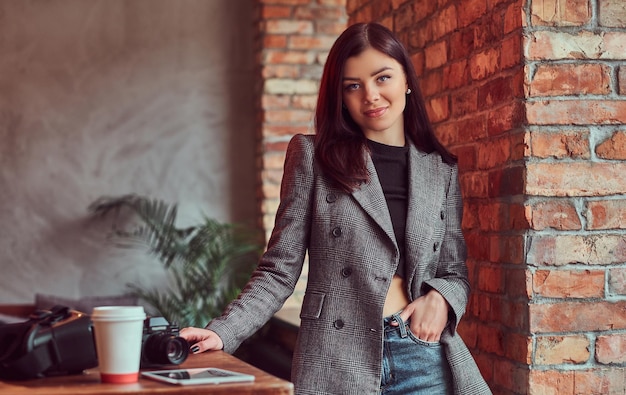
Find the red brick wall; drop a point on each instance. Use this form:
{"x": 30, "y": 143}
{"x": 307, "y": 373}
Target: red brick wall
{"x": 575, "y": 184}
{"x": 532, "y": 97}
{"x": 294, "y": 37}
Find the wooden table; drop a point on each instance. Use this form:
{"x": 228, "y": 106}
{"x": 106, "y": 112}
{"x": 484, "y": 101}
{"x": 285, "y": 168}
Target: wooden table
{"x": 89, "y": 383}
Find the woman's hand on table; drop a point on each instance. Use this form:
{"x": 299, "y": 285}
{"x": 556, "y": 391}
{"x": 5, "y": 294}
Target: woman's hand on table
{"x": 201, "y": 339}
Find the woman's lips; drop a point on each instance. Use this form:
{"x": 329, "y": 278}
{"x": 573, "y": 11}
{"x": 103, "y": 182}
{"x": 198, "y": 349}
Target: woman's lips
{"x": 375, "y": 113}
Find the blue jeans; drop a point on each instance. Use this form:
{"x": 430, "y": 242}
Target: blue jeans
{"x": 411, "y": 365}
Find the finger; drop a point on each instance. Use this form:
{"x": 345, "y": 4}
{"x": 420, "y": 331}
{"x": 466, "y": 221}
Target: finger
{"x": 192, "y": 334}
{"x": 420, "y": 330}
{"x": 210, "y": 344}
{"x": 427, "y": 337}
{"x": 433, "y": 338}
{"x": 426, "y": 334}
{"x": 403, "y": 316}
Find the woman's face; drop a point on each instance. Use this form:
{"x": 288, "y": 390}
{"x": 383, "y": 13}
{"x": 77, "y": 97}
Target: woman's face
{"x": 374, "y": 92}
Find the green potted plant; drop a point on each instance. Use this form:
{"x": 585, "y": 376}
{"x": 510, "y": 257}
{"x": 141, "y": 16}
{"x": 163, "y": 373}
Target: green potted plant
{"x": 206, "y": 264}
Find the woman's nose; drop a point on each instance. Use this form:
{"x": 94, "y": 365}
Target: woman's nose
{"x": 371, "y": 94}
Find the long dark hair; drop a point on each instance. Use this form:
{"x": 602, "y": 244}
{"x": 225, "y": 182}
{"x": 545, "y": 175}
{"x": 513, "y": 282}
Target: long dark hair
{"x": 339, "y": 142}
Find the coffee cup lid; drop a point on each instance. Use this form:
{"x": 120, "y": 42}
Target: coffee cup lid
{"x": 117, "y": 313}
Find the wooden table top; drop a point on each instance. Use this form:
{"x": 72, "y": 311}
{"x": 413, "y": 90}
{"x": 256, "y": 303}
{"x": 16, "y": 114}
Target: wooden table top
{"x": 89, "y": 383}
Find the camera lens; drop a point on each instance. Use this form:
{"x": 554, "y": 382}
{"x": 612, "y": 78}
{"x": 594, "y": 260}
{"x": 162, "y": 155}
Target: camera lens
{"x": 176, "y": 351}
{"x": 165, "y": 349}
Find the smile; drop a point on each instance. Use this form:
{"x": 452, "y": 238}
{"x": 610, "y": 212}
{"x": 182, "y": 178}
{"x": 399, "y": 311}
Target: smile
{"x": 375, "y": 113}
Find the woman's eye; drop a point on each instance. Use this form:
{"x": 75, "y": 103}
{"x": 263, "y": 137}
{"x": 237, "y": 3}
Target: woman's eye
{"x": 383, "y": 78}
{"x": 351, "y": 87}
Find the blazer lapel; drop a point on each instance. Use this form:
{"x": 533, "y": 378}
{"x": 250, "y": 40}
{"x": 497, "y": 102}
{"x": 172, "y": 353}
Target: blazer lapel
{"x": 424, "y": 206}
{"x": 421, "y": 186}
{"x": 372, "y": 199}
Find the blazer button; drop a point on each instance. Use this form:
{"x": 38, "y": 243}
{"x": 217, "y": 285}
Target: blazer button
{"x": 331, "y": 198}
{"x": 442, "y": 214}
{"x": 346, "y": 272}
{"x": 436, "y": 246}
{"x": 338, "y": 324}
{"x": 337, "y": 232}
{"x": 383, "y": 279}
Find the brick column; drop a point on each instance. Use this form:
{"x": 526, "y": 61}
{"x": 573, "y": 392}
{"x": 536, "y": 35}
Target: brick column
{"x": 532, "y": 98}
{"x": 575, "y": 185}
{"x": 294, "y": 37}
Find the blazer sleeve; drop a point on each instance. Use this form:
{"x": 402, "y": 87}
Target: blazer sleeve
{"x": 451, "y": 279}
{"x": 277, "y": 273}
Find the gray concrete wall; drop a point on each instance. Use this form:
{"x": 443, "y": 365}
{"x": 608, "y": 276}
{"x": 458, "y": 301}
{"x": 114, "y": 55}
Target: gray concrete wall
{"x": 107, "y": 97}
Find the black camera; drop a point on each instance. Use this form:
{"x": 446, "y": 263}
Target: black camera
{"x": 161, "y": 344}
{"x": 52, "y": 342}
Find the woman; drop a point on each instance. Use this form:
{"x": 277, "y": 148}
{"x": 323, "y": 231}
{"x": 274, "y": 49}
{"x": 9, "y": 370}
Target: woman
{"x": 374, "y": 200}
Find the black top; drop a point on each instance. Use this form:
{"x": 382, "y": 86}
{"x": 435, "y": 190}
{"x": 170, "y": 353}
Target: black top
{"x": 391, "y": 164}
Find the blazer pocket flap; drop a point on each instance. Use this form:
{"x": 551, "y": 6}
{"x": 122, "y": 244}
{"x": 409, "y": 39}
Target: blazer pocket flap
{"x": 312, "y": 305}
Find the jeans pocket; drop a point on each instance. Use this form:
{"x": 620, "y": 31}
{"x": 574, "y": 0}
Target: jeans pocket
{"x": 421, "y": 342}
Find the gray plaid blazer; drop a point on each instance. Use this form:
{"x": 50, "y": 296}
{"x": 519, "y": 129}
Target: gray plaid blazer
{"x": 352, "y": 258}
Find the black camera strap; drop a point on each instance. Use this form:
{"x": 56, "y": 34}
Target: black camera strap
{"x": 45, "y": 317}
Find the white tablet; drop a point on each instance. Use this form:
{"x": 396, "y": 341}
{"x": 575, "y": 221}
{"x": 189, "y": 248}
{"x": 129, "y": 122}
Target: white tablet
{"x": 198, "y": 376}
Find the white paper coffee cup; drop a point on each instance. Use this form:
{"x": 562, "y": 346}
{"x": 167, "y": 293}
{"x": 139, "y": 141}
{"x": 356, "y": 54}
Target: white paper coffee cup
{"x": 118, "y": 331}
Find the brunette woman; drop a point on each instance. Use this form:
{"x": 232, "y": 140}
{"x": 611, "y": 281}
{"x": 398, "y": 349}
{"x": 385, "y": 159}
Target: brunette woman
{"x": 373, "y": 198}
